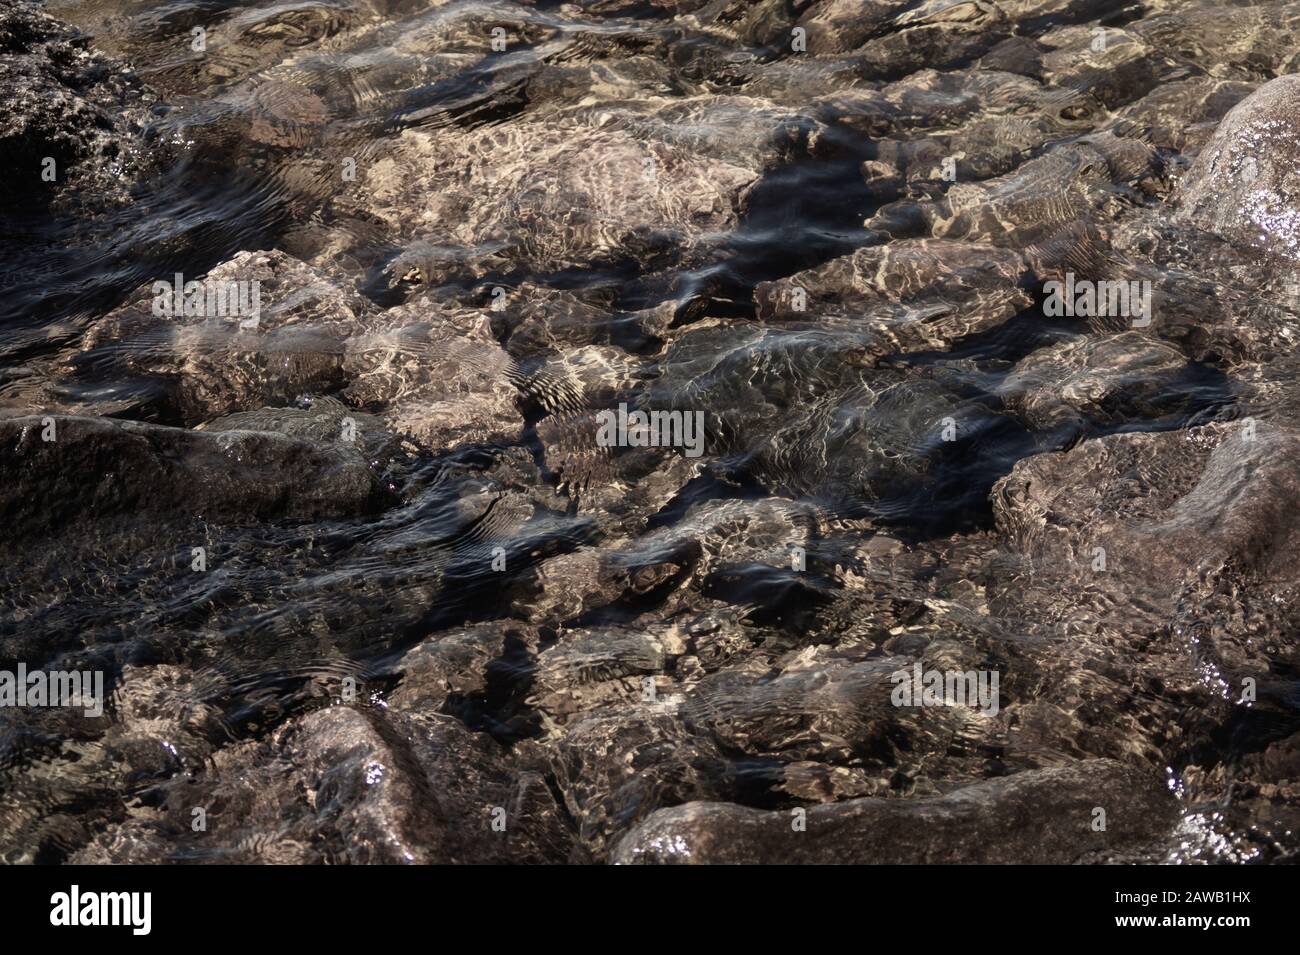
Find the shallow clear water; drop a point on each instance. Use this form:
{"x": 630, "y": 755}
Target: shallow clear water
{"x": 837, "y": 255}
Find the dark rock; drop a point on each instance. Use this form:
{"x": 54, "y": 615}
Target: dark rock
{"x": 455, "y": 663}
{"x": 1037, "y": 817}
{"x": 68, "y": 104}
{"x": 618, "y": 765}
{"x": 585, "y": 671}
{"x": 119, "y": 470}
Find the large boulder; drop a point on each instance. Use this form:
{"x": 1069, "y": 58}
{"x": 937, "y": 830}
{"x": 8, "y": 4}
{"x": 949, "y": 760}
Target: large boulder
{"x": 1245, "y": 184}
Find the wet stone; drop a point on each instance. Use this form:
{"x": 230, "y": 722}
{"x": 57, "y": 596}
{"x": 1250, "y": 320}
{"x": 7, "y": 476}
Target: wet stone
{"x": 263, "y": 329}
{"x": 989, "y": 822}
{"x": 346, "y": 785}
{"x": 1103, "y": 380}
{"x": 584, "y": 194}
{"x": 436, "y": 377}
{"x": 1166, "y": 504}
{"x": 1245, "y": 184}
{"x": 117, "y": 469}
{"x": 367, "y": 584}
{"x": 70, "y": 126}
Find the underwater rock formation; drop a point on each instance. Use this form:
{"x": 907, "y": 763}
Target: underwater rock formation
{"x": 689, "y": 431}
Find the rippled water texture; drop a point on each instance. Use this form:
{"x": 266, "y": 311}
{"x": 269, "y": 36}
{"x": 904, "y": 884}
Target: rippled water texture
{"x": 366, "y": 583}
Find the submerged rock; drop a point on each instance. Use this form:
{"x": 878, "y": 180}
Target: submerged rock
{"x": 946, "y": 290}
{"x": 260, "y": 329}
{"x": 346, "y": 785}
{"x": 455, "y": 663}
{"x": 59, "y": 469}
{"x": 1245, "y": 184}
{"x": 1178, "y": 544}
{"x": 582, "y": 195}
{"x": 617, "y": 765}
{"x": 1036, "y": 817}
{"x": 1103, "y": 380}
{"x": 1165, "y": 506}
{"x": 1034, "y": 201}
{"x": 440, "y": 378}
{"x": 389, "y": 596}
